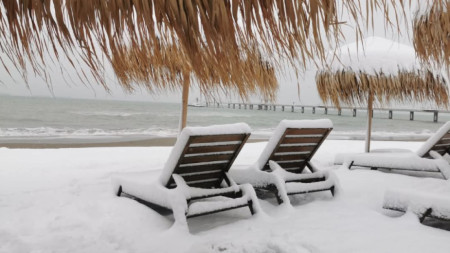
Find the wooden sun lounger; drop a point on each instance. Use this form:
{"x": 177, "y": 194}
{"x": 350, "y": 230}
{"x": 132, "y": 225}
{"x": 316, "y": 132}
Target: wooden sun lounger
{"x": 293, "y": 152}
{"x": 296, "y": 148}
{"x": 429, "y": 213}
{"x": 201, "y": 164}
{"x": 422, "y": 203}
{"x": 439, "y": 143}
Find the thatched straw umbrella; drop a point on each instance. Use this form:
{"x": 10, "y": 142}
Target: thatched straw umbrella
{"x": 431, "y": 31}
{"x": 386, "y": 71}
{"x": 211, "y": 32}
{"x": 167, "y": 69}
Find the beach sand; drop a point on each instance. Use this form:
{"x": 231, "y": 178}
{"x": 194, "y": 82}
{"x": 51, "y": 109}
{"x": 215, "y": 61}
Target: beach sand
{"x": 62, "y": 200}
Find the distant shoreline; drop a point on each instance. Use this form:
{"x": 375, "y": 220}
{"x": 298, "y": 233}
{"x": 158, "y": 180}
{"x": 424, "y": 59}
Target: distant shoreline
{"x": 146, "y": 141}
{"x": 89, "y": 143}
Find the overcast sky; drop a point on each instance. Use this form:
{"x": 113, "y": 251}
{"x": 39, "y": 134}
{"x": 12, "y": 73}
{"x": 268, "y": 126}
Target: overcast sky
{"x": 287, "y": 94}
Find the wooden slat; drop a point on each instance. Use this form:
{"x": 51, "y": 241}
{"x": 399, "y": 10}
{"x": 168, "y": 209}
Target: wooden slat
{"x": 305, "y": 131}
{"x": 211, "y": 179}
{"x": 302, "y": 140}
{"x": 441, "y": 152}
{"x": 206, "y": 185}
{"x": 295, "y": 170}
{"x": 291, "y": 157}
{"x": 447, "y": 141}
{"x": 440, "y": 149}
{"x": 446, "y": 136}
{"x": 301, "y": 165}
{"x": 308, "y": 180}
{"x": 204, "y": 176}
{"x": 295, "y": 149}
{"x": 292, "y": 169}
{"x": 206, "y": 158}
{"x": 200, "y": 168}
{"x": 212, "y": 149}
{"x": 217, "y": 138}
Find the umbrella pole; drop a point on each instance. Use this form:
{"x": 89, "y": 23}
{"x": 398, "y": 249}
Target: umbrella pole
{"x": 369, "y": 121}
{"x": 184, "y": 101}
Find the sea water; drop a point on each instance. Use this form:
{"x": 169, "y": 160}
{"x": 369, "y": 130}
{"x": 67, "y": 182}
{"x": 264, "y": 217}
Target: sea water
{"x": 24, "y": 118}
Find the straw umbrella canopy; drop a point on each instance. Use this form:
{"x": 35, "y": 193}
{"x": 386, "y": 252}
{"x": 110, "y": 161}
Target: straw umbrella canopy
{"x": 385, "y": 71}
{"x": 431, "y": 32}
{"x": 166, "y": 68}
{"x": 211, "y": 32}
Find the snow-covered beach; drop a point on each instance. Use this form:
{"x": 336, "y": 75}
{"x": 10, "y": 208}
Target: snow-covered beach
{"x": 61, "y": 200}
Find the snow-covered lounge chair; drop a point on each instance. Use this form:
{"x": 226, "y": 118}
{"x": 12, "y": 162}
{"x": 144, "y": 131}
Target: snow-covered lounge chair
{"x": 420, "y": 163}
{"x": 194, "y": 180}
{"x": 280, "y": 167}
{"x": 434, "y": 203}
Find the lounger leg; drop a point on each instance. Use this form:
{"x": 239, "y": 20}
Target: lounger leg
{"x": 250, "y": 206}
{"x": 350, "y": 166}
{"x": 119, "y": 192}
{"x": 274, "y": 189}
{"x": 332, "y": 191}
{"x": 425, "y": 214}
{"x": 311, "y": 167}
{"x": 279, "y": 200}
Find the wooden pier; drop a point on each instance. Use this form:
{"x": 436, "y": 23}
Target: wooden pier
{"x": 312, "y": 108}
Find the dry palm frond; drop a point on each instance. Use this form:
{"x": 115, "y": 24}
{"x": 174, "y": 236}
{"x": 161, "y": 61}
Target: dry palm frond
{"x": 432, "y": 34}
{"x": 207, "y": 32}
{"x": 351, "y": 88}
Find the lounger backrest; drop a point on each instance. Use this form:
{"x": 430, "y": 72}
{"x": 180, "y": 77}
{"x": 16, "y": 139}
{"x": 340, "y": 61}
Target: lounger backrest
{"x": 297, "y": 144}
{"x": 439, "y": 142}
{"x": 204, "y": 159}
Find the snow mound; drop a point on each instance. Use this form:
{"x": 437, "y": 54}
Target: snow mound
{"x": 403, "y": 160}
{"x": 374, "y": 55}
{"x": 419, "y": 202}
{"x": 254, "y": 246}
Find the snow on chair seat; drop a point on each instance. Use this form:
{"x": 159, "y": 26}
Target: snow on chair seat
{"x": 290, "y": 149}
{"x": 434, "y": 204}
{"x": 197, "y": 170}
{"x": 420, "y": 163}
